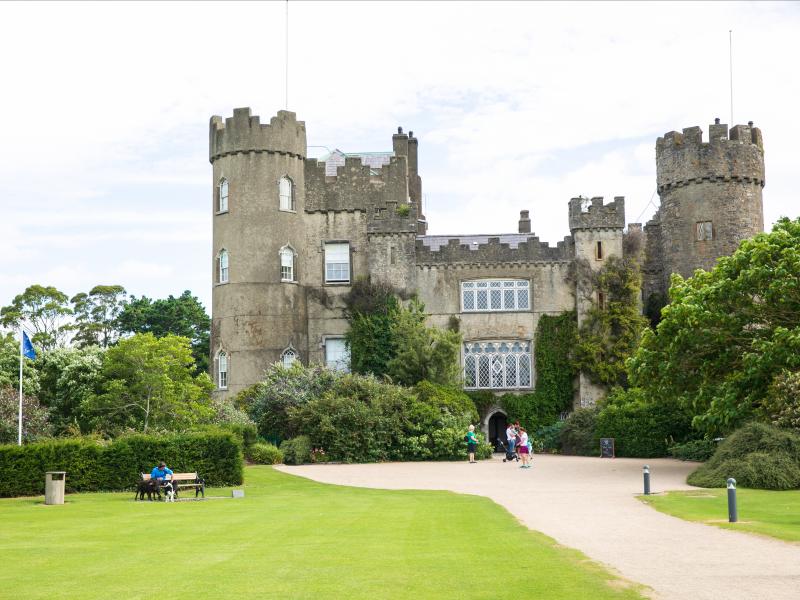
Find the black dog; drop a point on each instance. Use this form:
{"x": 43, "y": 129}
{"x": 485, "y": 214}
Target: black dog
{"x": 148, "y": 487}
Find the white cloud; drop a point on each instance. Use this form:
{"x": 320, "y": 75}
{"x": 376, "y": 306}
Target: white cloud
{"x": 517, "y": 105}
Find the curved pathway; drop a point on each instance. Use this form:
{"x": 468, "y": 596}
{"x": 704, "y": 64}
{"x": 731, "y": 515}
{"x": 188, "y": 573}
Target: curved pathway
{"x": 590, "y": 504}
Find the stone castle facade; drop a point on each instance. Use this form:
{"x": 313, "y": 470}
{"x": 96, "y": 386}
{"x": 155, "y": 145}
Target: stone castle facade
{"x": 291, "y": 234}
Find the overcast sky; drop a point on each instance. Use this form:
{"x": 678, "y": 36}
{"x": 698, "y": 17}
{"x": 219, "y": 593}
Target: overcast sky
{"x": 104, "y": 173}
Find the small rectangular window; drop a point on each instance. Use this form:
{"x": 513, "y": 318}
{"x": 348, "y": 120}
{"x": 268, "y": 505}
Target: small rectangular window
{"x": 599, "y": 251}
{"x": 337, "y": 356}
{"x": 337, "y": 262}
{"x": 705, "y": 231}
{"x": 601, "y": 300}
{"x": 287, "y": 265}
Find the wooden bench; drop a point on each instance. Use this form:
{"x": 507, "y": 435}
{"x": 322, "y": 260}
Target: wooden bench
{"x": 183, "y": 480}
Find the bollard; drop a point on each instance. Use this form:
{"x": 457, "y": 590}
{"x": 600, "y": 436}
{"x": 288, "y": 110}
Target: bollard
{"x": 646, "y": 472}
{"x": 733, "y": 515}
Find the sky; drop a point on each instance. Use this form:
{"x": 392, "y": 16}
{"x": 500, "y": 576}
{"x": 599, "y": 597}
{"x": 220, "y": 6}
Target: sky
{"x": 104, "y": 172}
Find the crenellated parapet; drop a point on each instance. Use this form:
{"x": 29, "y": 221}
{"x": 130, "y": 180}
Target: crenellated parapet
{"x": 593, "y": 214}
{"x": 244, "y": 133}
{"x": 381, "y": 193}
{"x": 468, "y": 250}
{"x": 684, "y": 158}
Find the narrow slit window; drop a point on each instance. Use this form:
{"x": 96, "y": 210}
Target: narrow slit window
{"x": 222, "y": 205}
{"x": 222, "y": 260}
{"x": 599, "y": 251}
{"x": 222, "y": 370}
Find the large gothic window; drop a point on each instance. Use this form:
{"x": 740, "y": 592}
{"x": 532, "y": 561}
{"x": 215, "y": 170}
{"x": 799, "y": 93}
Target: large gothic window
{"x": 497, "y": 365}
{"x": 489, "y": 295}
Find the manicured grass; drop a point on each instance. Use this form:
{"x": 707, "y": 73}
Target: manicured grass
{"x": 776, "y": 514}
{"x": 288, "y": 538}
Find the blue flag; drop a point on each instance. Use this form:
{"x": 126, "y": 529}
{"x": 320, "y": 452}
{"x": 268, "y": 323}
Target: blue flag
{"x": 27, "y": 347}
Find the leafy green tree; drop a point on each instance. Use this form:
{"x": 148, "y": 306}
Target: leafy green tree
{"x": 183, "y": 316}
{"x": 610, "y": 334}
{"x": 67, "y": 378}
{"x": 728, "y": 333}
{"x": 35, "y": 417}
{"x": 149, "y": 383}
{"x": 423, "y": 353}
{"x": 96, "y": 315}
{"x": 45, "y": 310}
{"x": 9, "y": 366}
{"x": 371, "y": 310}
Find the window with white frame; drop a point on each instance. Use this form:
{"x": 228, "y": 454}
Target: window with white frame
{"x": 497, "y": 365}
{"x": 337, "y": 262}
{"x": 286, "y": 193}
{"x": 222, "y": 263}
{"x": 288, "y": 357}
{"x": 222, "y": 205}
{"x": 222, "y": 370}
{"x": 337, "y": 355}
{"x": 495, "y": 295}
{"x": 287, "y": 263}
{"x": 705, "y": 231}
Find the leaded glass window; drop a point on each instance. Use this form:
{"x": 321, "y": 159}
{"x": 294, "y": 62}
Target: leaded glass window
{"x": 489, "y": 295}
{"x": 288, "y": 357}
{"x": 497, "y": 365}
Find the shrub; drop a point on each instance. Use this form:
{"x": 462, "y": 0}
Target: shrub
{"x": 757, "y": 456}
{"x": 444, "y": 400}
{"x": 579, "y": 432}
{"x": 696, "y": 450}
{"x": 642, "y": 429}
{"x": 296, "y": 451}
{"x": 265, "y": 454}
{"x": 549, "y": 437}
{"x": 93, "y": 466}
{"x": 36, "y": 422}
{"x": 482, "y": 400}
{"x": 532, "y": 410}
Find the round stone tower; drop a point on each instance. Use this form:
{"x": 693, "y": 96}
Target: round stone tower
{"x": 710, "y": 194}
{"x": 258, "y": 308}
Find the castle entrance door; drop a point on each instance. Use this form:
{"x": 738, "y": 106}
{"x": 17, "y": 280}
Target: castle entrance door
{"x": 497, "y": 430}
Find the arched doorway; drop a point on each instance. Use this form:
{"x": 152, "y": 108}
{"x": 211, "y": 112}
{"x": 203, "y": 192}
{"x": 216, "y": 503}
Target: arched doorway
{"x": 496, "y": 430}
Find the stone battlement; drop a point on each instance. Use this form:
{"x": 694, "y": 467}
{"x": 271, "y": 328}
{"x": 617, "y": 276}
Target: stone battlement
{"x": 455, "y": 251}
{"x": 593, "y": 214}
{"x": 244, "y": 133}
{"x": 736, "y": 155}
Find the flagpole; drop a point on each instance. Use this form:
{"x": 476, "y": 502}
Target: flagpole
{"x": 19, "y": 435}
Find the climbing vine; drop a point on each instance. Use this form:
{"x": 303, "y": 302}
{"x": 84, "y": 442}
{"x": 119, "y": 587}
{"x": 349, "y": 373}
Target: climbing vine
{"x": 555, "y": 373}
{"x": 371, "y": 310}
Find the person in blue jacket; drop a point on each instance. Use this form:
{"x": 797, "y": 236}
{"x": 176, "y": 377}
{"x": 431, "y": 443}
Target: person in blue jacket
{"x": 159, "y": 474}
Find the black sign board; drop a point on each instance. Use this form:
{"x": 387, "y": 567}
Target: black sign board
{"x": 606, "y": 447}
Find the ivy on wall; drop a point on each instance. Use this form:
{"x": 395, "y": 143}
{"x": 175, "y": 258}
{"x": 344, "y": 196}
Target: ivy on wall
{"x": 371, "y": 310}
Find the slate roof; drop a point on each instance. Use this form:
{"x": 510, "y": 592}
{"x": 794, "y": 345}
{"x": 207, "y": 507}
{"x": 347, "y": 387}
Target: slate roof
{"x": 334, "y": 159}
{"x": 434, "y": 242}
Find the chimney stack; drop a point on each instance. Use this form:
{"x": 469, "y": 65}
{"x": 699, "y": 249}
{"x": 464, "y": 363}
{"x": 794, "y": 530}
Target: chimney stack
{"x": 524, "y": 222}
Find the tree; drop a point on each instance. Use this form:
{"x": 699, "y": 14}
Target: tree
{"x": 182, "y": 316}
{"x": 35, "y": 423}
{"x": 149, "y": 383}
{"x": 423, "y": 353}
{"x": 96, "y": 315}
{"x": 67, "y": 379}
{"x": 610, "y": 333}
{"x": 371, "y": 310}
{"x": 45, "y": 310}
{"x": 728, "y": 333}
{"x": 9, "y": 366}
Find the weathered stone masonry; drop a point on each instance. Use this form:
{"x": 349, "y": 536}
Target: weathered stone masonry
{"x": 496, "y": 285}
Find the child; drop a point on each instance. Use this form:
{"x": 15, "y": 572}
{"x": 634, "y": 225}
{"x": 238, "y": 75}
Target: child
{"x": 524, "y": 449}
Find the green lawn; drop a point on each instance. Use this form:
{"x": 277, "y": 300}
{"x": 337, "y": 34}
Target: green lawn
{"x": 776, "y": 514}
{"x": 288, "y": 538}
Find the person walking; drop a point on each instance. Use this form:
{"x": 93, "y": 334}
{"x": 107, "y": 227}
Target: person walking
{"x": 524, "y": 451}
{"x": 472, "y": 444}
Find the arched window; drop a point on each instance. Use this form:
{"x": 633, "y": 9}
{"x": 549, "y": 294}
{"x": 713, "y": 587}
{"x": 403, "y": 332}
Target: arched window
{"x": 222, "y": 205}
{"x": 288, "y": 357}
{"x": 286, "y": 192}
{"x": 222, "y": 370}
{"x": 222, "y": 261}
{"x": 287, "y": 263}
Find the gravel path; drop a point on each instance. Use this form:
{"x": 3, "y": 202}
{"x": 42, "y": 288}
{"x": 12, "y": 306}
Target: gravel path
{"x": 590, "y": 504}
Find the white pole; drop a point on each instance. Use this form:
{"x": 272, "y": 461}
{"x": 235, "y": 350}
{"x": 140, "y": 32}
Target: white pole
{"x": 19, "y": 434}
{"x": 730, "y": 60}
{"x": 287, "y": 54}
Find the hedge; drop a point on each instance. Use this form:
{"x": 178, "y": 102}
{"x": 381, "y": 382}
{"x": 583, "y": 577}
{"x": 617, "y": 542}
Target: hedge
{"x": 94, "y": 466}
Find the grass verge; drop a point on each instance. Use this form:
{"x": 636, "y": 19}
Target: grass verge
{"x": 776, "y": 514}
{"x": 288, "y": 538}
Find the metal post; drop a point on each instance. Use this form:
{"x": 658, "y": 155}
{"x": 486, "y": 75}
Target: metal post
{"x": 733, "y": 515}
{"x": 646, "y": 472}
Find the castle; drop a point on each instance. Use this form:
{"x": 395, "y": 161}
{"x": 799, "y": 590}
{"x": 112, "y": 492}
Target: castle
{"x": 291, "y": 234}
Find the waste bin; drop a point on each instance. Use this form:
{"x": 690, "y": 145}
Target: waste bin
{"x": 54, "y": 487}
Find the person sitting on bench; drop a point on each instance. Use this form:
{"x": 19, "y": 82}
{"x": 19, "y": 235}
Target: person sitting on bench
{"x": 159, "y": 474}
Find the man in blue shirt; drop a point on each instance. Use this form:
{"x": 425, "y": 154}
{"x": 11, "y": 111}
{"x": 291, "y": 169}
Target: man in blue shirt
{"x": 159, "y": 474}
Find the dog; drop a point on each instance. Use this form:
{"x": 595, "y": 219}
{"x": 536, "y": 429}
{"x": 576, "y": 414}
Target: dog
{"x": 169, "y": 492}
{"x": 146, "y": 487}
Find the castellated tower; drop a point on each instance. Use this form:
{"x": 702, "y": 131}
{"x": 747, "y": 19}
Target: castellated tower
{"x": 597, "y": 231}
{"x": 258, "y": 308}
{"x": 710, "y": 196}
